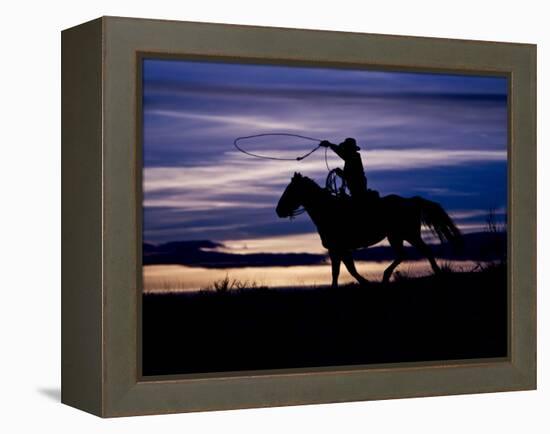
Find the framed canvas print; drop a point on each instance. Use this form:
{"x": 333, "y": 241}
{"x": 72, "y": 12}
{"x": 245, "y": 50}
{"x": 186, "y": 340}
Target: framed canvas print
{"x": 258, "y": 216}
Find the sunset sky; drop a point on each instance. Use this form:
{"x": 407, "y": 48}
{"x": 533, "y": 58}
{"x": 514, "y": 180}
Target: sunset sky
{"x": 439, "y": 136}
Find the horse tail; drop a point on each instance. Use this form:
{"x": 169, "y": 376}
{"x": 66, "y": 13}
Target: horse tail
{"x": 434, "y": 217}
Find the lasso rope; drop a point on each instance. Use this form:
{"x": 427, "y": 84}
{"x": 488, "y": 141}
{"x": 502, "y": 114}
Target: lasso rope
{"x": 298, "y": 211}
{"x": 268, "y": 157}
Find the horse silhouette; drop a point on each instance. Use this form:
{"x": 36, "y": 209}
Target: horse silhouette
{"x": 344, "y": 226}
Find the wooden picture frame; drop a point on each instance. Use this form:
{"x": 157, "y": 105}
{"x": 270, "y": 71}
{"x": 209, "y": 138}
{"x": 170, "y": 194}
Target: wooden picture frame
{"x": 101, "y": 244}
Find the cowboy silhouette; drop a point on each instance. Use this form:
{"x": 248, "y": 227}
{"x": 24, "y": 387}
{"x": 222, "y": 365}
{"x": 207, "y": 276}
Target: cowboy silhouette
{"x": 353, "y": 172}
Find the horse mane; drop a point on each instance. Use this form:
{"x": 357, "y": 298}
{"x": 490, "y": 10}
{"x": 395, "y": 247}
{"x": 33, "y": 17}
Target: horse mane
{"x": 309, "y": 182}
{"x": 323, "y": 192}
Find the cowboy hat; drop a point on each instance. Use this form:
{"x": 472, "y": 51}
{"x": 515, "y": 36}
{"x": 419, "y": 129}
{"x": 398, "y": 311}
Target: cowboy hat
{"x": 350, "y": 144}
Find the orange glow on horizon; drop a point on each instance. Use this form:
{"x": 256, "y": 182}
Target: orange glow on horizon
{"x": 181, "y": 278}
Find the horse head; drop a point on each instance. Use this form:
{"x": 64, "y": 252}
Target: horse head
{"x": 291, "y": 198}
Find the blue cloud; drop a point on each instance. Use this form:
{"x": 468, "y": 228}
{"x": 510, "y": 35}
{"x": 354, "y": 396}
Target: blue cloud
{"x": 194, "y": 110}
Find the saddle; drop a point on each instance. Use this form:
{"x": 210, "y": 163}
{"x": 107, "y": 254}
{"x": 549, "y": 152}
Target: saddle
{"x": 336, "y": 186}
{"x": 372, "y": 195}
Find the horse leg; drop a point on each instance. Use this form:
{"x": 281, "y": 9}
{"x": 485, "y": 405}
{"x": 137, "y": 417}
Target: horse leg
{"x": 335, "y": 260}
{"x": 397, "y": 246}
{"x": 423, "y": 248}
{"x": 350, "y": 265}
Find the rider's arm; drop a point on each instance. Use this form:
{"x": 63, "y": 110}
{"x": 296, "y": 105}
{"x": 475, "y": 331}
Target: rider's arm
{"x": 334, "y": 147}
{"x": 337, "y": 150}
